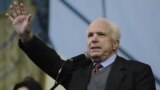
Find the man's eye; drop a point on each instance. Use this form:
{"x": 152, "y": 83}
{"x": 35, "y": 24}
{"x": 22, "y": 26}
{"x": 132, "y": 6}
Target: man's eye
{"x": 90, "y": 34}
{"x": 101, "y": 34}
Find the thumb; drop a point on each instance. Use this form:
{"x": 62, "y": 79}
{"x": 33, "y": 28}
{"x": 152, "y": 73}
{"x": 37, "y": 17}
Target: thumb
{"x": 27, "y": 23}
{"x": 28, "y": 18}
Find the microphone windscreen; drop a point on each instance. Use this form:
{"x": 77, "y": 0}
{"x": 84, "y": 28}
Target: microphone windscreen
{"x": 81, "y": 59}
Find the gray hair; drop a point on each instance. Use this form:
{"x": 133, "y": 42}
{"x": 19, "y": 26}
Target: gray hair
{"x": 116, "y": 34}
{"x": 114, "y": 27}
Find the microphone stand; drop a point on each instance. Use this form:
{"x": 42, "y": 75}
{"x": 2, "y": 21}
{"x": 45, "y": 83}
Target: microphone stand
{"x": 59, "y": 72}
{"x": 79, "y": 57}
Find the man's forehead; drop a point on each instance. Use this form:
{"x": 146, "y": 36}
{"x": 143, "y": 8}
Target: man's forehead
{"x": 99, "y": 28}
{"x": 97, "y": 31}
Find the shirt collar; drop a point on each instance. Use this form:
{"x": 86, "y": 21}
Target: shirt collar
{"x": 109, "y": 61}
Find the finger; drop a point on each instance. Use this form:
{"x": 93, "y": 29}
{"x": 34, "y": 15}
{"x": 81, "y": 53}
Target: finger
{"x": 12, "y": 11}
{"x": 17, "y": 8}
{"x": 9, "y": 17}
{"x": 23, "y": 11}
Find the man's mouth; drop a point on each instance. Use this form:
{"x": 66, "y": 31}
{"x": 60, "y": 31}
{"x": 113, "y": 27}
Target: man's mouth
{"x": 95, "y": 47}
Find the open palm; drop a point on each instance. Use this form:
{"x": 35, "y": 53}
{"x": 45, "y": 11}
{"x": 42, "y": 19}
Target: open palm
{"x": 19, "y": 18}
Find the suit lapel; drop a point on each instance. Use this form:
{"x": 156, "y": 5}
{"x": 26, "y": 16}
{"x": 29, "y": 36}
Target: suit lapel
{"x": 86, "y": 77}
{"x": 116, "y": 75}
{"x": 81, "y": 78}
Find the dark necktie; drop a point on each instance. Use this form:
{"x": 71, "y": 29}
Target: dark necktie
{"x": 96, "y": 67}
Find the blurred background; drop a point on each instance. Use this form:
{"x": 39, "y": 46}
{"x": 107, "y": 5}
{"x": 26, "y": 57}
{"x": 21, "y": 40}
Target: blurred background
{"x": 62, "y": 25}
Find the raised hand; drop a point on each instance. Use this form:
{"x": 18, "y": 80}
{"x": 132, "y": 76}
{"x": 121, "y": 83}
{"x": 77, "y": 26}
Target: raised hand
{"x": 21, "y": 21}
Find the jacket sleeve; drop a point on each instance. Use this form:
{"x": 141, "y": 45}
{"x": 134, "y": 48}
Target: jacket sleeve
{"x": 44, "y": 57}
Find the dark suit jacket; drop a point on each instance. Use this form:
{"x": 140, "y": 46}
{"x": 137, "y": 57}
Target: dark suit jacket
{"x": 75, "y": 75}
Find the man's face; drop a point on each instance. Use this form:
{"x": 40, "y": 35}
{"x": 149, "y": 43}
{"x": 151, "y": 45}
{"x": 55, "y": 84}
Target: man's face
{"x": 99, "y": 42}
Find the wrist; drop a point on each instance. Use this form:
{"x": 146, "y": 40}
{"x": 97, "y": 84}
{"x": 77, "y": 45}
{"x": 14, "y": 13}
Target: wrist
{"x": 26, "y": 37}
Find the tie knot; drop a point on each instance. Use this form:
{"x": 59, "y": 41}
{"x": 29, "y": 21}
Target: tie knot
{"x": 96, "y": 67}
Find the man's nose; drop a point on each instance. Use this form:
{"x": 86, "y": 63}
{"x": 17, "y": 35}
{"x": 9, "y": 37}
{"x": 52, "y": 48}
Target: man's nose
{"x": 95, "y": 38}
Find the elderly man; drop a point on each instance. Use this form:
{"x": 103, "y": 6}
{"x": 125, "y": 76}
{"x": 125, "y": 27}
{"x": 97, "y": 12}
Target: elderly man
{"x": 103, "y": 70}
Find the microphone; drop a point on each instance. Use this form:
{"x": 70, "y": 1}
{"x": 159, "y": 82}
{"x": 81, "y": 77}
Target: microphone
{"x": 82, "y": 56}
{"x": 76, "y": 59}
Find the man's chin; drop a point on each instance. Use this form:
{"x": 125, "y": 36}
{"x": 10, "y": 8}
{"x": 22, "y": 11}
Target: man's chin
{"x": 95, "y": 56}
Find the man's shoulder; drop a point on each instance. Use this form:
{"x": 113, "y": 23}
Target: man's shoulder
{"x": 133, "y": 64}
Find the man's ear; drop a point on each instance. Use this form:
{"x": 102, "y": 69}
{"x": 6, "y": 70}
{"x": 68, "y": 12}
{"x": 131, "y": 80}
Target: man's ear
{"x": 115, "y": 44}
